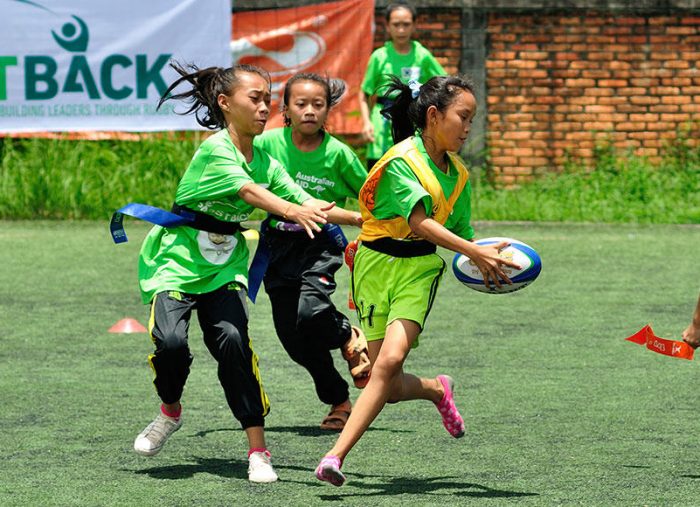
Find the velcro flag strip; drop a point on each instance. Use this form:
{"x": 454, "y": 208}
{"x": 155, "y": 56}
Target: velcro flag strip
{"x": 646, "y": 336}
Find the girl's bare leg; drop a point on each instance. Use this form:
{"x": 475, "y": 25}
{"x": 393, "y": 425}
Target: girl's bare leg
{"x": 388, "y": 383}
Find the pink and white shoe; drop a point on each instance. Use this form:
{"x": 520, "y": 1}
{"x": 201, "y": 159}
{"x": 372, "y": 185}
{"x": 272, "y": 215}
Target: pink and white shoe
{"x": 328, "y": 470}
{"x": 451, "y": 418}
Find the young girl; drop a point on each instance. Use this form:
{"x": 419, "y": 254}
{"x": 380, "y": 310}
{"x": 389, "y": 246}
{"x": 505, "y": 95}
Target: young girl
{"x": 300, "y": 276}
{"x": 416, "y": 197}
{"x": 401, "y": 57}
{"x": 204, "y": 265}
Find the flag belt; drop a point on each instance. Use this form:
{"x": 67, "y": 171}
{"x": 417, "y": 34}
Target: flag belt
{"x": 177, "y": 216}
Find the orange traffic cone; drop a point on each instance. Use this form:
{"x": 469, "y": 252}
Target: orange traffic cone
{"x": 127, "y": 325}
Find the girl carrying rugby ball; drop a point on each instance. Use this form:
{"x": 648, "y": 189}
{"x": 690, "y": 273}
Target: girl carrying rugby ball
{"x": 415, "y": 198}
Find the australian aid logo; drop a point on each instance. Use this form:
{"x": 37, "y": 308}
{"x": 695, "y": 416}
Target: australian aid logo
{"x": 87, "y": 66}
{"x": 331, "y": 39}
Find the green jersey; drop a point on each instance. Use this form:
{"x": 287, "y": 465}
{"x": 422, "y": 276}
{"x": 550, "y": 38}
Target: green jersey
{"x": 399, "y": 191}
{"x": 193, "y": 261}
{"x": 418, "y": 64}
{"x": 331, "y": 172}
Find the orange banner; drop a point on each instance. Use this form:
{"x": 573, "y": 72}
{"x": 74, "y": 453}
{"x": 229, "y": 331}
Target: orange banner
{"x": 331, "y": 39}
{"x": 646, "y": 336}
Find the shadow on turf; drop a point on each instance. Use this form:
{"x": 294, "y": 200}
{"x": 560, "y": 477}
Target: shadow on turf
{"x": 231, "y": 469}
{"x": 384, "y": 485}
{"x": 303, "y": 431}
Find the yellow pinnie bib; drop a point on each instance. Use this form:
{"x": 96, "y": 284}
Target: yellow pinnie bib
{"x": 398, "y": 228}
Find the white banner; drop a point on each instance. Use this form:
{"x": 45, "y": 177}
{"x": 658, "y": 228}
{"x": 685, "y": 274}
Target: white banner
{"x": 77, "y": 65}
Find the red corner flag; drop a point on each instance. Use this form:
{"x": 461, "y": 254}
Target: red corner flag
{"x": 646, "y": 336}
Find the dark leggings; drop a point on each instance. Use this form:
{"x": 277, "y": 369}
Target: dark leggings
{"x": 300, "y": 281}
{"x": 223, "y": 317}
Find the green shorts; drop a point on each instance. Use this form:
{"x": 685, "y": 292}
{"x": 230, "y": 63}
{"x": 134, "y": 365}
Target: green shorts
{"x": 386, "y": 288}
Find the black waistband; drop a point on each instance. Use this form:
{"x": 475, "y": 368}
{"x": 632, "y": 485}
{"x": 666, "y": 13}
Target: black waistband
{"x": 398, "y": 248}
{"x": 204, "y": 222}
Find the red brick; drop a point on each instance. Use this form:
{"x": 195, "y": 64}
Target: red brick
{"x": 660, "y": 125}
{"x": 688, "y": 20}
{"x": 631, "y": 39}
{"x": 667, "y": 108}
{"x": 521, "y": 64}
{"x": 644, "y": 117}
{"x": 631, "y": 91}
{"x": 533, "y": 55}
{"x": 501, "y": 161}
{"x": 598, "y": 125}
{"x": 629, "y": 20}
{"x": 644, "y": 82}
{"x": 663, "y": 20}
{"x": 582, "y": 83}
{"x": 671, "y": 40}
{"x": 612, "y": 83}
{"x": 533, "y": 161}
{"x": 630, "y": 126}
{"x": 680, "y": 82}
{"x": 597, "y": 108}
{"x": 615, "y": 101}
{"x": 676, "y": 99}
{"x": 645, "y": 100}
{"x": 632, "y": 56}
{"x": 619, "y": 65}
{"x": 643, "y": 135}
{"x": 599, "y": 92}
{"x": 676, "y": 64}
{"x": 601, "y": 55}
{"x": 676, "y": 117}
{"x": 681, "y": 30}
{"x": 596, "y": 74}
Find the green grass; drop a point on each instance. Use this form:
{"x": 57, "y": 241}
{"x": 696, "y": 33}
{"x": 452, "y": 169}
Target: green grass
{"x": 622, "y": 188}
{"x": 559, "y": 408}
{"x": 90, "y": 179}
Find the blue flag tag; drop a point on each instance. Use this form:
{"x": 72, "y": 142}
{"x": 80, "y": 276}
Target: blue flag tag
{"x": 145, "y": 212}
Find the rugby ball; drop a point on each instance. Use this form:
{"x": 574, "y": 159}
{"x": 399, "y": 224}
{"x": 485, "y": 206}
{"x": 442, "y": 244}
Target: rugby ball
{"x": 525, "y": 256}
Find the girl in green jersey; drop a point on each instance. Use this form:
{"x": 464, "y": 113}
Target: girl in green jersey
{"x": 204, "y": 266}
{"x": 300, "y": 278}
{"x": 415, "y": 198}
{"x": 402, "y": 57}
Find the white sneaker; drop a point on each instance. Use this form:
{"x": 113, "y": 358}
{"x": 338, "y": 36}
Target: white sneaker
{"x": 260, "y": 467}
{"x": 152, "y": 439}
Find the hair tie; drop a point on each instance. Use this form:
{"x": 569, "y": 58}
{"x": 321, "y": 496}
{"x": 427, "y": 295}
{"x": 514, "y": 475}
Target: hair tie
{"x": 415, "y": 88}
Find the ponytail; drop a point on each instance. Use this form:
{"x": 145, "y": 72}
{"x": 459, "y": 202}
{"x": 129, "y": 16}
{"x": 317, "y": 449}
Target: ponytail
{"x": 410, "y": 102}
{"x": 207, "y": 84}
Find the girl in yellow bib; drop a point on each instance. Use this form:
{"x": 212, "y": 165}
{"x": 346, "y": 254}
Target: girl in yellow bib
{"x": 415, "y": 198}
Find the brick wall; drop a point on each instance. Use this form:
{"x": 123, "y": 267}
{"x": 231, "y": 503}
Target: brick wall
{"x": 555, "y": 77}
{"x": 558, "y": 83}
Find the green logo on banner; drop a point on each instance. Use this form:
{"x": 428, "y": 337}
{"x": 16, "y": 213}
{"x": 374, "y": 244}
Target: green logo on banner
{"x": 74, "y": 39}
{"x": 40, "y": 71}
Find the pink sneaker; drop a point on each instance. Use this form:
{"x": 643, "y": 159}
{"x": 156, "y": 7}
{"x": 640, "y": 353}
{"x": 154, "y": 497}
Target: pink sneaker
{"x": 451, "y": 418}
{"x": 329, "y": 470}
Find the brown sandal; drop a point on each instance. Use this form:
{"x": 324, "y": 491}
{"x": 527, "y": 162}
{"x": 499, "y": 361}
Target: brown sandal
{"x": 335, "y": 420}
{"x": 356, "y": 353}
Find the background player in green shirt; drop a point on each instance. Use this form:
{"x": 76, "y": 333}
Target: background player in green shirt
{"x": 401, "y": 57}
{"x": 205, "y": 266}
{"x": 405, "y": 214}
{"x": 300, "y": 278}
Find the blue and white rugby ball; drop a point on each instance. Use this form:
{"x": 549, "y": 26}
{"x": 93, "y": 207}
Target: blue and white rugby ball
{"x": 525, "y": 256}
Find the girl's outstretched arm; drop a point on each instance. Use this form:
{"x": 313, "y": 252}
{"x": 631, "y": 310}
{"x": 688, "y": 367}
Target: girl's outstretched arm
{"x": 336, "y": 215}
{"x": 309, "y": 217}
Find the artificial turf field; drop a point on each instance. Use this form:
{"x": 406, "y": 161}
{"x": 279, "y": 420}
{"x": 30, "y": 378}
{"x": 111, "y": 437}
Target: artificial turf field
{"x": 560, "y": 410}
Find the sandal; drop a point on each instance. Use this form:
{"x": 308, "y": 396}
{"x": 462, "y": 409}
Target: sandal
{"x": 335, "y": 420}
{"x": 355, "y": 352}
